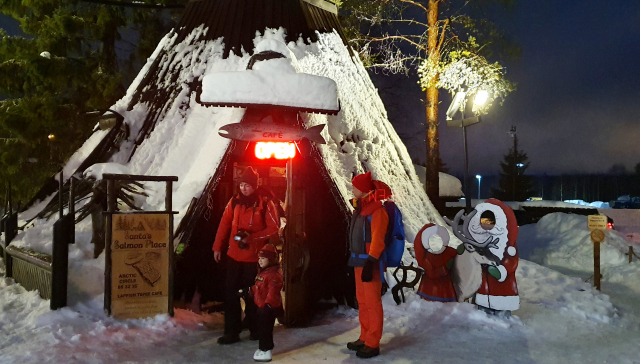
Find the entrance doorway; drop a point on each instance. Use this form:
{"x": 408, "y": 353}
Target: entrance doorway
{"x": 313, "y": 243}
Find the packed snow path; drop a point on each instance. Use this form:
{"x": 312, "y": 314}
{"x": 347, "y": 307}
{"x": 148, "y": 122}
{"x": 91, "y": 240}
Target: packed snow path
{"x": 562, "y": 320}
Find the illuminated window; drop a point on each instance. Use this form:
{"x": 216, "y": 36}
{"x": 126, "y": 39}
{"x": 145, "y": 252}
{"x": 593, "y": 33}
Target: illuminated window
{"x": 275, "y": 150}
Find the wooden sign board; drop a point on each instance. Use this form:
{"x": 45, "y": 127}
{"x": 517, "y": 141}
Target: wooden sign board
{"x": 139, "y": 265}
{"x": 597, "y": 222}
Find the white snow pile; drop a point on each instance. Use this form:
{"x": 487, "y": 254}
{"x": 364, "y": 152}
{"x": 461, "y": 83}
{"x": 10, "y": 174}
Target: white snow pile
{"x": 596, "y": 204}
{"x": 31, "y": 333}
{"x": 97, "y": 170}
{"x": 547, "y": 287}
{"x": 449, "y": 185}
{"x": 563, "y": 240}
{"x": 271, "y": 82}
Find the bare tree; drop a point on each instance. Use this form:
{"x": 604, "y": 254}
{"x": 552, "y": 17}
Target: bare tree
{"x": 439, "y": 40}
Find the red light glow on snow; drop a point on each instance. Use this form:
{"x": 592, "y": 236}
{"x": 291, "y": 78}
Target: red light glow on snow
{"x": 275, "y": 150}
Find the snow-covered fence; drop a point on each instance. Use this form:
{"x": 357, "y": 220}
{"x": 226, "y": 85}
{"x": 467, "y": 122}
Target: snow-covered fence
{"x": 30, "y": 269}
{"x": 43, "y": 272}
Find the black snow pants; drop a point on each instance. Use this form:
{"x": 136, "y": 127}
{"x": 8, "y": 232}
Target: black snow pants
{"x": 266, "y": 318}
{"x": 240, "y": 276}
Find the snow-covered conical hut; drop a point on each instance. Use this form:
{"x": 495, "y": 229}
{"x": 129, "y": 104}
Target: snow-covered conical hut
{"x": 166, "y": 131}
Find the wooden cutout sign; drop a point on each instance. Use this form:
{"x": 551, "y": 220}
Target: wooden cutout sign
{"x": 140, "y": 265}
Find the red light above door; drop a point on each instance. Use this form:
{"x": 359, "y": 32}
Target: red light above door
{"x": 265, "y": 150}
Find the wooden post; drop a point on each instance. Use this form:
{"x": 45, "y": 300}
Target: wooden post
{"x": 596, "y": 265}
{"x": 60, "y": 200}
{"x": 169, "y": 207}
{"x": 597, "y": 224}
{"x": 72, "y": 212}
{"x": 60, "y": 263}
{"x": 111, "y": 207}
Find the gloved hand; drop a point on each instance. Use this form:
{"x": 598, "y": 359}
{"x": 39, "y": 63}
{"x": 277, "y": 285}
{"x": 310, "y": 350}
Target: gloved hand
{"x": 494, "y": 272}
{"x": 367, "y": 270}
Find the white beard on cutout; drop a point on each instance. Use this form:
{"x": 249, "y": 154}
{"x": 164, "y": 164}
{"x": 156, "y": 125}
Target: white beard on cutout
{"x": 499, "y": 231}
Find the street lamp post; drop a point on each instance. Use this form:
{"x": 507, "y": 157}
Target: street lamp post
{"x": 458, "y": 104}
{"x": 479, "y": 177}
{"x": 512, "y": 133}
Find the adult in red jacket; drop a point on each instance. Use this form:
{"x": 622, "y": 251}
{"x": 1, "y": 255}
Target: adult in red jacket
{"x": 366, "y": 242}
{"x": 499, "y": 290}
{"x": 249, "y": 220}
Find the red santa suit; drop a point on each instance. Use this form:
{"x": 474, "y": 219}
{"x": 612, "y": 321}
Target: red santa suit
{"x": 436, "y": 282}
{"x": 499, "y": 293}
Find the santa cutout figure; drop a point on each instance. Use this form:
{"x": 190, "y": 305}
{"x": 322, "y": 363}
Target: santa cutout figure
{"x": 436, "y": 282}
{"x": 498, "y": 293}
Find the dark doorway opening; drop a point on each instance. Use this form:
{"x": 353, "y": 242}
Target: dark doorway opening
{"x": 315, "y": 253}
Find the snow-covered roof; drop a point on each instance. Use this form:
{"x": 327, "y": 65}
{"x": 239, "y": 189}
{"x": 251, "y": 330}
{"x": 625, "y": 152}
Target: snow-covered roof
{"x": 172, "y": 134}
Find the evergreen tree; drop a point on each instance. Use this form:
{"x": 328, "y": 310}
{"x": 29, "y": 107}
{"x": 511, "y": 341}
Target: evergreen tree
{"x": 66, "y": 66}
{"x": 514, "y": 185}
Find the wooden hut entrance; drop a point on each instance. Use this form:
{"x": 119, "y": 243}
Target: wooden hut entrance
{"x": 313, "y": 242}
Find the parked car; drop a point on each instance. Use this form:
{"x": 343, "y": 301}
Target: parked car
{"x": 625, "y": 202}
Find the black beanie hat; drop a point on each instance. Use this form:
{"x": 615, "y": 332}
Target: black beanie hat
{"x": 250, "y": 176}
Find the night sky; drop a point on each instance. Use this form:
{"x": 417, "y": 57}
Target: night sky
{"x": 578, "y": 98}
{"x": 577, "y": 102}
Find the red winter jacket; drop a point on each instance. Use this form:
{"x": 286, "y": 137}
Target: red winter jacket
{"x": 239, "y": 217}
{"x": 267, "y": 288}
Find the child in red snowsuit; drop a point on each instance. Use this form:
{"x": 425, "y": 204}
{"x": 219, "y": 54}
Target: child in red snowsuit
{"x": 266, "y": 295}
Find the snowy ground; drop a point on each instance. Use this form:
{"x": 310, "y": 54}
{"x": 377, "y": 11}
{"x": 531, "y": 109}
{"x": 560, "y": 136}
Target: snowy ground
{"x": 561, "y": 320}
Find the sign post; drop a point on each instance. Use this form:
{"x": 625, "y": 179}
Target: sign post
{"x": 139, "y": 255}
{"x": 596, "y": 223}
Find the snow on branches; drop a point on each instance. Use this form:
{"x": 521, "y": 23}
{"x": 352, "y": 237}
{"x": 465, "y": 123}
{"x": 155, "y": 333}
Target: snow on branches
{"x": 466, "y": 71}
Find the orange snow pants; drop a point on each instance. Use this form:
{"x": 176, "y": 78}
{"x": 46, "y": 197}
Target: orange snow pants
{"x": 370, "y": 308}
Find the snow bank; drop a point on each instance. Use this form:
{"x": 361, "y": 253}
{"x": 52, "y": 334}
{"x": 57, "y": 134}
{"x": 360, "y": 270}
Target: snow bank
{"x": 449, "y": 185}
{"x": 596, "y": 204}
{"x": 82, "y": 333}
{"x": 570, "y": 295}
{"x": 563, "y": 240}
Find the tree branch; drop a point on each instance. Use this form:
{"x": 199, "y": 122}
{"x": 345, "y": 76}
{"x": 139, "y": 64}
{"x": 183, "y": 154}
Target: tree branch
{"x": 444, "y": 28}
{"x": 134, "y": 4}
{"x": 400, "y": 37}
{"x": 426, "y": 11}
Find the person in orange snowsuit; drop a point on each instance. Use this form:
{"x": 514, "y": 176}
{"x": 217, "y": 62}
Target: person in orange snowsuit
{"x": 366, "y": 242}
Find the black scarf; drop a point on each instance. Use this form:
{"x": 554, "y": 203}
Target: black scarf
{"x": 248, "y": 201}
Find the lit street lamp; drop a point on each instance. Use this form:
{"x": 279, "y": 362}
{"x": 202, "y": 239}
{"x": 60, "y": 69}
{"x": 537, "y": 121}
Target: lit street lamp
{"x": 458, "y": 104}
{"x": 479, "y": 177}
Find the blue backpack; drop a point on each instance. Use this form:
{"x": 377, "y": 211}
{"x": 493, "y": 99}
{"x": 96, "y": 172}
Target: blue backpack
{"x": 394, "y": 239}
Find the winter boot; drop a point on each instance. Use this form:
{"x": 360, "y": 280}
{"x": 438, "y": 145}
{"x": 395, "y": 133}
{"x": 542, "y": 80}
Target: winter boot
{"x": 367, "y": 352}
{"x": 228, "y": 339}
{"x": 355, "y": 345}
{"x": 262, "y": 356}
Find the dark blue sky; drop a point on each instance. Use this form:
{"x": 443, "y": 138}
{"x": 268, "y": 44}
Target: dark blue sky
{"x": 578, "y": 99}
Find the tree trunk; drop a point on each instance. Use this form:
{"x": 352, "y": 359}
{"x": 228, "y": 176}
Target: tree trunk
{"x": 432, "y": 143}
